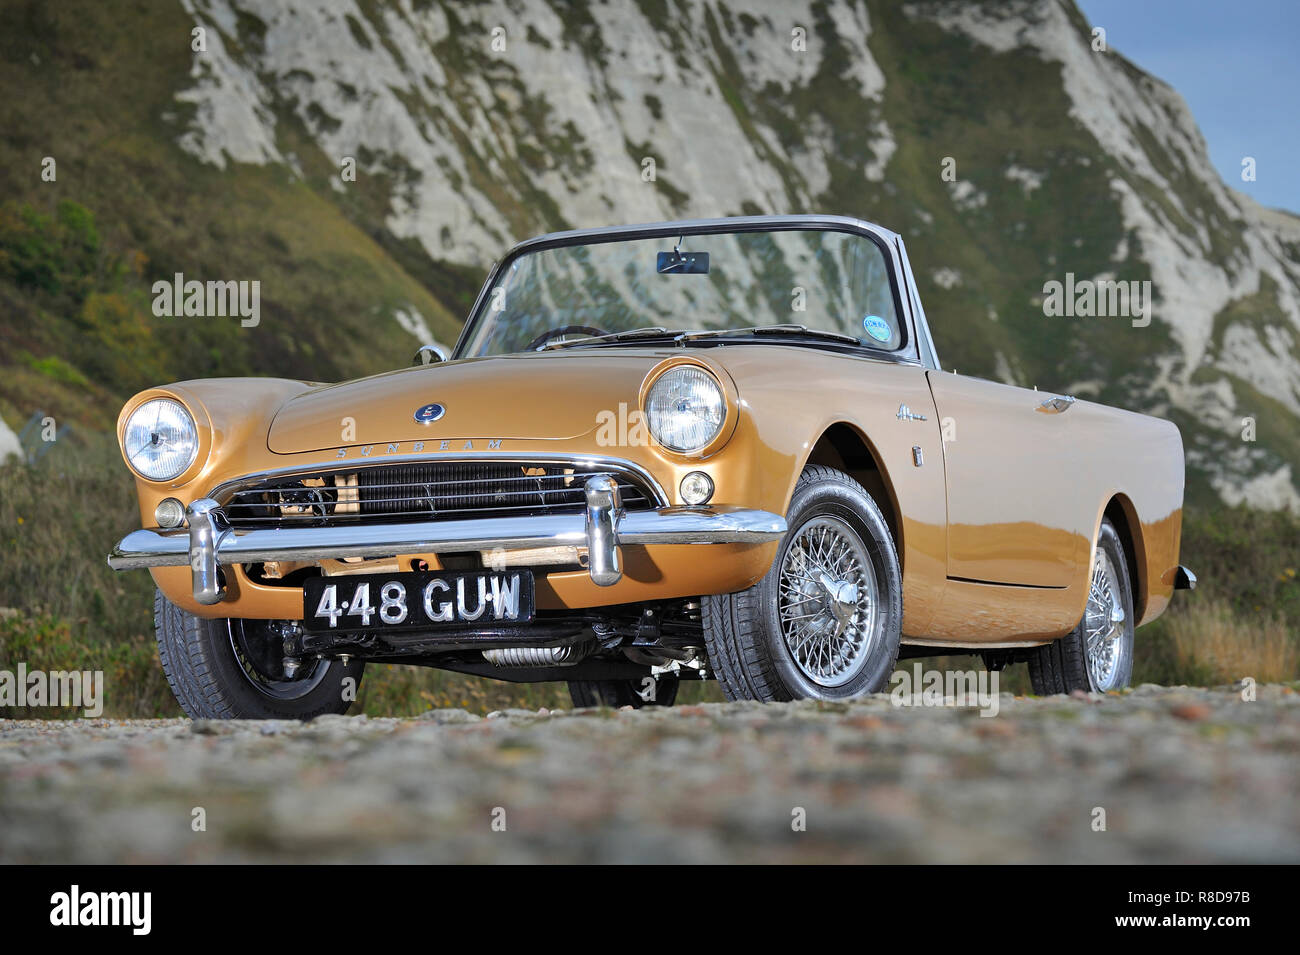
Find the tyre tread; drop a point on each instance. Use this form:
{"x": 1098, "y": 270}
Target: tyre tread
{"x": 1061, "y": 666}
{"x": 185, "y": 647}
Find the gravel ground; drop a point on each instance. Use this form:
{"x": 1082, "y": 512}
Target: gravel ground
{"x": 1183, "y": 775}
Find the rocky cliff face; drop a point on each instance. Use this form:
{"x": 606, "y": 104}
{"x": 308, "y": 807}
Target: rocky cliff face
{"x": 1007, "y": 150}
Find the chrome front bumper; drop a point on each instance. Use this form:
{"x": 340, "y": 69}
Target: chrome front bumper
{"x": 210, "y": 541}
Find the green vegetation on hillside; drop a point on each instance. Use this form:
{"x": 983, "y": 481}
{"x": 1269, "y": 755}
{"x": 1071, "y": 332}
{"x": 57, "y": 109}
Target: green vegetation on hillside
{"x": 79, "y": 255}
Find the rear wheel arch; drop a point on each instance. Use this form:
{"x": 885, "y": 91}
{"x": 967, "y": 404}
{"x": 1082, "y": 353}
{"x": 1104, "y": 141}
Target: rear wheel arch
{"x": 845, "y": 448}
{"x": 1097, "y": 655}
{"x": 1121, "y": 513}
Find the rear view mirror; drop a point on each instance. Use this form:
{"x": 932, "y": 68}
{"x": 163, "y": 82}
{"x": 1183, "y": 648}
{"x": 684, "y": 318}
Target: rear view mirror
{"x": 682, "y": 263}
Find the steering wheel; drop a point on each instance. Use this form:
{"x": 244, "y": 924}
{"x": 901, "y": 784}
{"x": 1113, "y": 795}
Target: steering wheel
{"x": 560, "y": 332}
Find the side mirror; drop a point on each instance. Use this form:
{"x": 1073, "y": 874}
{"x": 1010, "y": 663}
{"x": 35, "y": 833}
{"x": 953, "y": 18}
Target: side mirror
{"x": 429, "y": 354}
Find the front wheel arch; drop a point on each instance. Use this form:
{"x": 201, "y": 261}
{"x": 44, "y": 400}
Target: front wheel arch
{"x": 844, "y": 447}
{"x": 750, "y": 646}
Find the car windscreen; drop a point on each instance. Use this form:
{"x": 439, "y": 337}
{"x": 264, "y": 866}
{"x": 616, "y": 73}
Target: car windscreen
{"x": 825, "y": 280}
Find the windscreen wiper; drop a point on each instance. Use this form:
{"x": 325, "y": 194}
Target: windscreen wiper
{"x": 795, "y": 330}
{"x": 650, "y": 332}
{"x": 805, "y": 330}
{"x": 683, "y": 336}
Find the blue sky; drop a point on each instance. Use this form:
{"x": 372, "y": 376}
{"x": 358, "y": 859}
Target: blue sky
{"x": 1238, "y": 66}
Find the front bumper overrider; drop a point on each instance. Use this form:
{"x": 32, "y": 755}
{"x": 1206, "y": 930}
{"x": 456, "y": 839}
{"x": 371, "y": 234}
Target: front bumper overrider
{"x": 209, "y": 541}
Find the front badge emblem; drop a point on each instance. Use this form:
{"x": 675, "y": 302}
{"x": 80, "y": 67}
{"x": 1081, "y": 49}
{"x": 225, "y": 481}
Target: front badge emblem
{"x": 429, "y": 413}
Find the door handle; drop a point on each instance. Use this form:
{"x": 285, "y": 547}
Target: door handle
{"x": 1058, "y": 404}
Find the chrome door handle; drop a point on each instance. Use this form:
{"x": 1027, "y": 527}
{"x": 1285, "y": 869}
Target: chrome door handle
{"x": 1058, "y": 404}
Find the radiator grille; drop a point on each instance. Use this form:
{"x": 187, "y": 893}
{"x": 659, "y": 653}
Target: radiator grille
{"x": 421, "y": 492}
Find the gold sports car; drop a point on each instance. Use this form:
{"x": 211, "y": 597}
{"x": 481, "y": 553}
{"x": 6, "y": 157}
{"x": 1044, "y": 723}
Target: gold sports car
{"x": 715, "y": 449}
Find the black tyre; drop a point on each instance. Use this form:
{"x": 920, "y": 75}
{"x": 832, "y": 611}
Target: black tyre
{"x": 1097, "y": 655}
{"x": 233, "y": 669}
{"x": 825, "y": 621}
{"x": 617, "y": 693}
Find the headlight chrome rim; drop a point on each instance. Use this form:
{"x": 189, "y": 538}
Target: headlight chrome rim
{"x": 164, "y": 448}
{"x": 706, "y": 402}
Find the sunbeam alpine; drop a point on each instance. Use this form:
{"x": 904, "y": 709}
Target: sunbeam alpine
{"x": 716, "y": 449}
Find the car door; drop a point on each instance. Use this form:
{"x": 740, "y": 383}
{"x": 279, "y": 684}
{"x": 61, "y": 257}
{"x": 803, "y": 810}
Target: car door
{"x": 1014, "y": 514}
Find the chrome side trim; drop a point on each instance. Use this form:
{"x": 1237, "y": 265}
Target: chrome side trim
{"x": 223, "y": 492}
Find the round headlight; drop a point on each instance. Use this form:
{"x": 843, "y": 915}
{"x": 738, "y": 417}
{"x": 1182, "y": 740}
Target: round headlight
{"x": 160, "y": 440}
{"x": 685, "y": 408}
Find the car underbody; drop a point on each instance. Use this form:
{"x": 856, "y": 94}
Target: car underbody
{"x": 621, "y": 642}
{"x": 629, "y": 642}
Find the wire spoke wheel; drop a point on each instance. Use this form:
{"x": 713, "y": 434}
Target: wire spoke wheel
{"x": 1097, "y": 655}
{"x": 261, "y": 661}
{"x": 1104, "y": 625}
{"x": 825, "y": 621}
{"x": 827, "y": 601}
{"x": 228, "y": 669}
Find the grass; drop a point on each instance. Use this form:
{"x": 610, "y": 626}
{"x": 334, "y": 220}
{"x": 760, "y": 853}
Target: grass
{"x": 1211, "y": 638}
{"x": 409, "y": 691}
{"x": 134, "y": 685}
{"x": 58, "y": 520}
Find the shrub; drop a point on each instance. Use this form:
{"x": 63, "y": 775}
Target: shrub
{"x": 133, "y": 684}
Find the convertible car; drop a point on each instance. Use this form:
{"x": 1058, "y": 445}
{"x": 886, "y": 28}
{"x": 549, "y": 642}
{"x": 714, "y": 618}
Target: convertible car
{"x": 717, "y": 449}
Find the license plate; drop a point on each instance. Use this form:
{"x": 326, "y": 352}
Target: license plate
{"x": 417, "y": 601}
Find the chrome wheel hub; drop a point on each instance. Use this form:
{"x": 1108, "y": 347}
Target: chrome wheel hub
{"x": 827, "y": 601}
{"x": 1104, "y": 626}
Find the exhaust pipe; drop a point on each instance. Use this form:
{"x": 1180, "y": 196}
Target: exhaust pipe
{"x": 537, "y": 656}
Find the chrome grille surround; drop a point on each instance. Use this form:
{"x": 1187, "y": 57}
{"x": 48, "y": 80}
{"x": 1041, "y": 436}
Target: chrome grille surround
{"x": 424, "y": 488}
